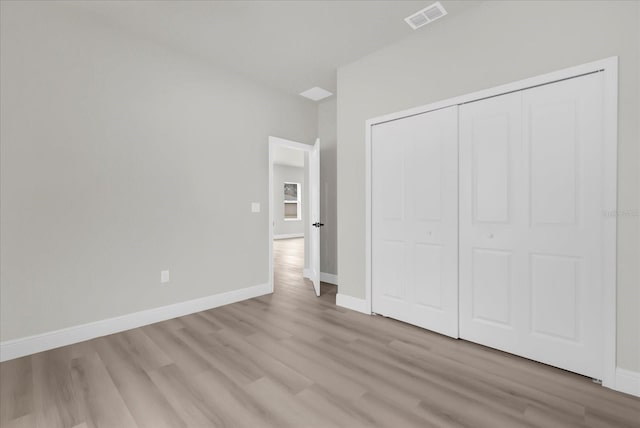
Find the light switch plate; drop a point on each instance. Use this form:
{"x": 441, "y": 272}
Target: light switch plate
{"x": 255, "y": 207}
{"x": 164, "y": 276}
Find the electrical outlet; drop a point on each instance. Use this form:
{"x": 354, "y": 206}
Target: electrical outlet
{"x": 255, "y": 207}
{"x": 164, "y": 276}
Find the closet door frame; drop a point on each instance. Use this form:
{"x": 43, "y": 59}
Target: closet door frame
{"x": 609, "y": 68}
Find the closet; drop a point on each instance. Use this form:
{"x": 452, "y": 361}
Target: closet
{"x": 487, "y": 221}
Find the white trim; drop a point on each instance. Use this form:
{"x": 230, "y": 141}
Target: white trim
{"x": 367, "y": 217}
{"x": 609, "y": 67}
{"x": 610, "y": 135}
{"x": 289, "y": 236}
{"x": 16, "y": 348}
{"x": 627, "y": 381}
{"x": 329, "y": 278}
{"x": 353, "y": 303}
{"x": 282, "y": 143}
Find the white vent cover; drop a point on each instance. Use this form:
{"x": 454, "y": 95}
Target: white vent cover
{"x": 426, "y": 16}
{"x": 316, "y": 93}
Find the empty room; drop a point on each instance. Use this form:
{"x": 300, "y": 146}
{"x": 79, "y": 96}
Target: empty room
{"x": 336, "y": 213}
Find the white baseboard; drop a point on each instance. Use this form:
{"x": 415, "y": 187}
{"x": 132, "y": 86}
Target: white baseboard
{"x": 329, "y": 278}
{"x": 289, "y": 236}
{"x": 16, "y": 348}
{"x": 353, "y": 303}
{"x": 628, "y": 381}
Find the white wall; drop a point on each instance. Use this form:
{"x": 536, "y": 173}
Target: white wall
{"x": 488, "y": 45}
{"x": 290, "y": 174}
{"x": 327, "y": 132}
{"x": 120, "y": 158}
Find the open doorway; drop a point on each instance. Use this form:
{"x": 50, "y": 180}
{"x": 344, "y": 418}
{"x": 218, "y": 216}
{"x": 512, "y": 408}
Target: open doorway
{"x": 294, "y": 238}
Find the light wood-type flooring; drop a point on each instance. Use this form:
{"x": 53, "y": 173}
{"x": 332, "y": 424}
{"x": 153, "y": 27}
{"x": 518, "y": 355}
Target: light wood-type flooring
{"x": 294, "y": 360}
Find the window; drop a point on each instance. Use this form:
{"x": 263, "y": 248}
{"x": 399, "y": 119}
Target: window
{"x": 292, "y": 209}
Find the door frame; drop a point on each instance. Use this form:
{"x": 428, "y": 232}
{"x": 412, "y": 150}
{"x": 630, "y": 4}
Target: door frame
{"x": 609, "y": 68}
{"x": 274, "y": 143}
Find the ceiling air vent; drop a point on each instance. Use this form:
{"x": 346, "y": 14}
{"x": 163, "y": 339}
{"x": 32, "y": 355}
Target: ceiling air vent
{"x": 426, "y": 16}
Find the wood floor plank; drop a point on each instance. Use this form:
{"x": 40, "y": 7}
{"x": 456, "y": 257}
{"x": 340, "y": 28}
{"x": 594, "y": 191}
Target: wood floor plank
{"x": 26, "y": 421}
{"x": 257, "y": 323}
{"x": 275, "y": 320}
{"x": 280, "y": 373}
{"x": 237, "y": 366}
{"x": 287, "y": 406}
{"x": 187, "y": 401}
{"x": 16, "y": 389}
{"x": 143, "y": 352}
{"x": 502, "y": 395}
{"x": 175, "y": 348}
{"x": 448, "y": 407}
{"x": 373, "y": 377}
{"x": 148, "y": 406}
{"x": 57, "y": 402}
{"x": 236, "y": 405}
{"x": 389, "y": 414}
{"x": 202, "y": 321}
{"x": 291, "y": 360}
{"x": 340, "y": 385}
{"x": 102, "y": 400}
{"x": 342, "y": 413}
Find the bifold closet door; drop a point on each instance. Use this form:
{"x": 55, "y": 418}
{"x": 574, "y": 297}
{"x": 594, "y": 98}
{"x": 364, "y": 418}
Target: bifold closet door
{"x": 531, "y": 207}
{"x": 415, "y": 220}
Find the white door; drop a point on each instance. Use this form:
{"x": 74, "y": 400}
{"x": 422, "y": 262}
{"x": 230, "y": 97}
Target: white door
{"x": 415, "y": 220}
{"x": 314, "y": 202}
{"x": 531, "y": 207}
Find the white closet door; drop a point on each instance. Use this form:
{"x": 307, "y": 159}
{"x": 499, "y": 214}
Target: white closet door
{"x": 531, "y": 207}
{"x": 415, "y": 220}
{"x": 491, "y": 218}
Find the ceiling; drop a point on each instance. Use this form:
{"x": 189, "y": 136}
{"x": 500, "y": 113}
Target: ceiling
{"x": 289, "y": 157}
{"x": 290, "y": 45}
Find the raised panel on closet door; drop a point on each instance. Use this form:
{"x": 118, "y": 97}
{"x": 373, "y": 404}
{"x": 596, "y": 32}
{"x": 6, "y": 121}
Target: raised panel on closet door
{"x": 414, "y": 220}
{"x": 490, "y": 214}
